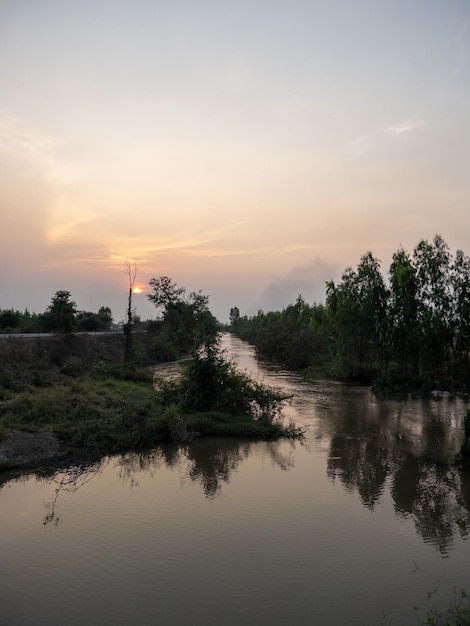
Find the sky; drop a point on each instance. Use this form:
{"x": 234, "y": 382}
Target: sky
{"x": 251, "y": 150}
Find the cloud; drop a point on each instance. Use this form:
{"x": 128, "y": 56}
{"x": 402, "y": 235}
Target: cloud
{"x": 307, "y": 280}
{"x": 13, "y": 132}
{"x": 404, "y": 128}
{"x": 363, "y": 144}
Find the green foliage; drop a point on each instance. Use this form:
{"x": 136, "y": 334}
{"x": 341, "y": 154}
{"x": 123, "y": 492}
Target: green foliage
{"x": 60, "y": 315}
{"x": 178, "y": 430}
{"x": 87, "y": 321}
{"x": 123, "y": 371}
{"x": 9, "y": 320}
{"x": 234, "y": 316}
{"x": 106, "y": 317}
{"x": 211, "y": 383}
{"x": 165, "y": 292}
{"x": 186, "y": 320}
{"x": 404, "y": 306}
{"x": 96, "y": 404}
{"x": 413, "y": 332}
{"x": 12, "y": 321}
{"x": 160, "y": 347}
{"x": 227, "y": 425}
{"x": 89, "y": 414}
{"x": 358, "y": 314}
{"x": 298, "y": 336}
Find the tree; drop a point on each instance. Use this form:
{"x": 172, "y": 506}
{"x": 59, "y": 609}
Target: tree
{"x": 94, "y": 322}
{"x": 433, "y": 273}
{"x": 131, "y": 272}
{"x": 234, "y": 316}
{"x": 165, "y": 292}
{"x": 358, "y": 311}
{"x": 106, "y": 317}
{"x": 404, "y": 307}
{"x": 9, "y": 320}
{"x": 374, "y": 297}
{"x": 88, "y": 322}
{"x": 187, "y": 319}
{"x": 60, "y": 314}
{"x": 461, "y": 309}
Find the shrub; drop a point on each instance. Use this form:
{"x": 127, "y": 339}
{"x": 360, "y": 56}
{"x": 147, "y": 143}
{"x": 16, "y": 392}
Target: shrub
{"x": 211, "y": 383}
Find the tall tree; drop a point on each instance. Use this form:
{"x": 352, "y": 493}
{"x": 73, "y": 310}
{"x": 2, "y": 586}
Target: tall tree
{"x": 461, "y": 311}
{"x": 358, "y": 310}
{"x": 234, "y": 316}
{"x": 106, "y": 316}
{"x": 404, "y": 307}
{"x": 374, "y": 298}
{"x": 433, "y": 273}
{"x": 60, "y": 314}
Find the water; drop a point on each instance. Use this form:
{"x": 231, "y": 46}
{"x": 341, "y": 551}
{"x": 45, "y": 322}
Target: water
{"x": 362, "y": 523}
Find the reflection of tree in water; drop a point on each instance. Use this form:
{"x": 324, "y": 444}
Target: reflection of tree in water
{"x": 70, "y": 479}
{"x": 209, "y": 461}
{"x": 368, "y": 449}
{"x": 361, "y": 465}
{"x": 436, "y": 496}
{"x": 212, "y": 462}
{"x": 131, "y": 464}
{"x": 283, "y": 460}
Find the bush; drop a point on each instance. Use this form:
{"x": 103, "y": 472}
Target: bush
{"x": 210, "y": 383}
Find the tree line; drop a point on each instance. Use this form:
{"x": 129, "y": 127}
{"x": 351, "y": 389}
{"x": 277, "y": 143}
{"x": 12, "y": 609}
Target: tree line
{"x": 408, "y": 330}
{"x": 183, "y": 321}
{"x": 61, "y": 316}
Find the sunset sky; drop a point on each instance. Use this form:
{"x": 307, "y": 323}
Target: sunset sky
{"x": 251, "y": 150}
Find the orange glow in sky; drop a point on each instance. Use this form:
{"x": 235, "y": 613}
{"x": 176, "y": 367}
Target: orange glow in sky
{"x": 250, "y": 150}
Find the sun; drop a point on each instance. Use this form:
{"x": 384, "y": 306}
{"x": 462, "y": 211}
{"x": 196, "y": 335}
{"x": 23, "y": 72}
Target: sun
{"x": 137, "y": 289}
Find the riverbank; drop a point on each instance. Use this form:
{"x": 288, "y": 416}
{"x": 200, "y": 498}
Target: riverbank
{"x": 21, "y": 449}
{"x": 83, "y": 405}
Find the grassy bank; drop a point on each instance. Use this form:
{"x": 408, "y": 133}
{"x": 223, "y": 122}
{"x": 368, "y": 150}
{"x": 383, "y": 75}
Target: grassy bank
{"x": 78, "y": 390}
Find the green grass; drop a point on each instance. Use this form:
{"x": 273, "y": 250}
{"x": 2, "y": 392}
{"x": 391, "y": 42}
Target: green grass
{"x": 104, "y": 415}
{"x": 96, "y": 415}
{"x": 98, "y": 405}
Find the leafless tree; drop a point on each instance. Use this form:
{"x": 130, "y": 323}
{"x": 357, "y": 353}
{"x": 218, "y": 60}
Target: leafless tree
{"x": 131, "y": 271}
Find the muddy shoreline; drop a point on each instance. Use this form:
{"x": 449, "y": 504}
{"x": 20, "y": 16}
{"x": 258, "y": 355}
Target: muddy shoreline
{"x": 24, "y": 449}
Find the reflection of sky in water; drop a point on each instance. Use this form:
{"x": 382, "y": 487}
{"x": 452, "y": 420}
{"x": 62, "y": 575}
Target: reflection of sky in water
{"x": 418, "y": 424}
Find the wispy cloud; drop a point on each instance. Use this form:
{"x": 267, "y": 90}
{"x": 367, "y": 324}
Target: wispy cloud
{"x": 405, "y": 127}
{"x": 19, "y": 139}
{"x": 14, "y": 132}
{"x": 364, "y": 144}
